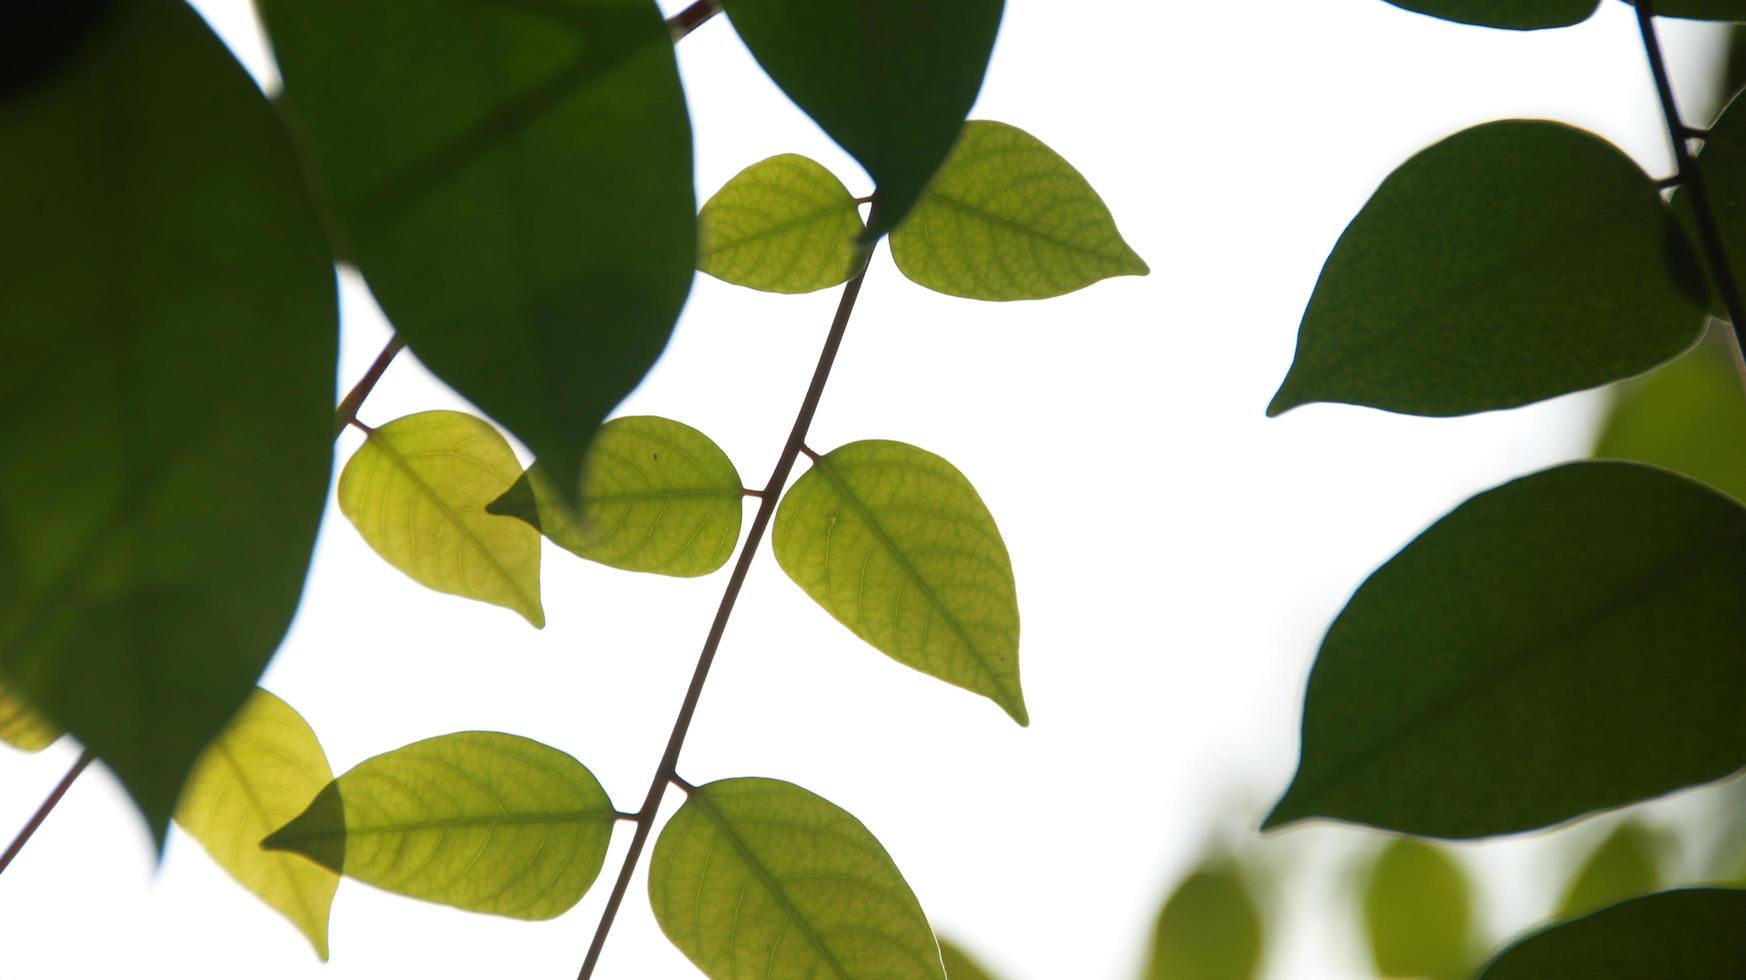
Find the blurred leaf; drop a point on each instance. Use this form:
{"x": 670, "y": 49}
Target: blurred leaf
{"x": 1626, "y": 864}
{"x": 959, "y": 965}
{"x": 1559, "y": 644}
{"x": 1418, "y": 912}
{"x": 22, "y": 728}
{"x": 1723, "y": 162}
{"x": 889, "y": 80}
{"x": 1006, "y": 218}
{"x": 1691, "y": 934}
{"x": 657, "y": 496}
{"x": 1509, "y": 263}
{"x": 895, "y": 543}
{"x": 1520, "y": 15}
{"x": 1688, "y": 415}
{"x": 36, "y": 39}
{"x": 1209, "y": 929}
{"x": 166, "y": 393}
{"x": 260, "y": 772}
{"x": 784, "y": 225}
{"x": 1699, "y": 9}
{"x": 757, "y": 877}
{"x": 514, "y": 180}
{"x": 417, "y": 490}
{"x": 482, "y": 821}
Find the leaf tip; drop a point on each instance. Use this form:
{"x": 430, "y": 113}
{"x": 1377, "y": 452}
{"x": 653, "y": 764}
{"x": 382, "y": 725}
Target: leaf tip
{"x": 1015, "y": 709}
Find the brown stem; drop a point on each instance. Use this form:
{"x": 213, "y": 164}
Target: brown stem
{"x": 43, "y": 811}
{"x": 691, "y": 18}
{"x": 347, "y": 412}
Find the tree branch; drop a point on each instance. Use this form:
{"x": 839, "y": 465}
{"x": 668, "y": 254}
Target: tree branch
{"x": 691, "y": 18}
{"x": 347, "y": 412}
{"x": 43, "y": 811}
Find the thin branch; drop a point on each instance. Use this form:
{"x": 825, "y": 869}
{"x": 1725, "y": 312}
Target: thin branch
{"x": 347, "y": 413}
{"x": 43, "y": 811}
{"x": 691, "y": 18}
{"x": 666, "y": 774}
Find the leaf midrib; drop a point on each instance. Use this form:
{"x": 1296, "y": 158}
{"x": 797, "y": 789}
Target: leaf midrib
{"x": 578, "y": 817}
{"x": 965, "y": 207}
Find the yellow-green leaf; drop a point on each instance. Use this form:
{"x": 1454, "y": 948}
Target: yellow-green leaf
{"x": 1624, "y": 865}
{"x": 1208, "y": 929}
{"x": 261, "y": 771}
{"x": 482, "y": 821}
{"x": 1418, "y": 912}
{"x": 657, "y": 496}
{"x": 1007, "y": 218}
{"x": 959, "y": 965}
{"x": 760, "y": 878}
{"x": 783, "y": 225}
{"x": 417, "y": 490}
{"x": 22, "y": 728}
{"x": 895, "y": 543}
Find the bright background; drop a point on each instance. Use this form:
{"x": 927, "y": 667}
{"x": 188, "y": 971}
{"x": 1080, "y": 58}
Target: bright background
{"x": 1177, "y": 553}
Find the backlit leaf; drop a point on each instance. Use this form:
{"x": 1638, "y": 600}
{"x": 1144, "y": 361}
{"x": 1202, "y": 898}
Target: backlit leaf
{"x": 1209, "y": 929}
{"x": 1418, "y": 913}
{"x": 166, "y": 392}
{"x": 1688, "y": 415}
{"x": 785, "y": 225}
{"x": 1519, "y": 15}
{"x": 760, "y": 878}
{"x": 1509, "y": 263}
{"x": 657, "y": 496}
{"x": 1562, "y": 643}
{"x": 1006, "y": 218}
{"x": 895, "y": 543}
{"x": 481, "y": 821}
{"x": 260, "y": 772}
{"x": 22, "y": 728}
{"x": 1692, "y": 934}
{"x": 889, "y": 80}
{"x": 417, "y": 489}
{"x": 959, "y": 965}
{"x": 1625, "y": 864}
{"x": 514, "y": 180}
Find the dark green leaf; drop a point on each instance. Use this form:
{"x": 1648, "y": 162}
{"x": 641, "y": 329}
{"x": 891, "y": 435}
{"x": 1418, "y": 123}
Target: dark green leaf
{"x": 1418, "y": 912}
{"x": 759, "y": 878}
{"x": 890, "y": 80}
{"x": 1723, "y": 162}
{"x": 22, "y": 728}
{"x": 166, "y": 392}
{"x": 1692, "y": 934}
{"x": 514, "y": 180}
{"x": 482, "y": 821}
{"x": 1209, "y": 929}
{"x": 36, "y": 39}
{"x": 1509, "y": 263}
{"x": 895, "y": 543}
{"x": 1006, "y": 218}
{"x": 1688, "y": 415}
{"x": 1518, "y": 15}
{"x": 1565, "y": 642}
{"x": 959, "y": 965}
{"x": 657, "y": 496}
{"x": 784, "y": 225}
{"x": 1626, "y": 864}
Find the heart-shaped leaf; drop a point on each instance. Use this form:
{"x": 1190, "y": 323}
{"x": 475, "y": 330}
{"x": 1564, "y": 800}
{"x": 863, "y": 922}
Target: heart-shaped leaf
{"x": 784, "y": 225}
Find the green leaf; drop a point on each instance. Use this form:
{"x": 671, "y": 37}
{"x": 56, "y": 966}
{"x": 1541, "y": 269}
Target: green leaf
{"x": 1626, "y": 864}
{"x": 889, "y": 80}
{"x": 417, "y": 489}
{"x": 783, "y": 225}
{"x": 1688, "y": 415}
{"x": 1509, "y": 263}
{"x": 481, "y": 821}
{"x": 657, "y": 496}
{"x": 166, "y": 392}
{"x": 1418, "y": 912}
{"x": 1700, "y": 9}
{"x": 1692, "y": 934}
{"x": 1723, "y": 162}
{"x": 260, "y": 772}
{"x": 1007, "y": 218}
{"x": 514, "y": 180}
{"x": 959, "y": 965}
{"x": 1517, "y": 15}
{"x": 37, "y": 38}
{"x": 757, "y": 877}
{"x": 1562, "y": 643}
{"x": 1209, "y": 929}
{"x": 895, "y": 543}
{"x": 22, "y": 728}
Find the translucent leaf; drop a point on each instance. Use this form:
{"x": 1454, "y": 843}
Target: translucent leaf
{"x": 1509, "y": 263}
{"x": 417, "y": 489}
{"x": 890, "y": 82}
{"x": 1519, "y": 15}
{"x": 1209, "y": 929}
{"x": 166, "y": 392}
{"x": 784, "y": 225}
{"x": 1562, "y": 643}
{"x": 1624, "y": 865}
{"x": 1006, "y": 218}
{"x": 657, "y": 496}
{"x": 1692, "y": 934}
{"x": 759, "y": 878}
{"x": 259, "y": 773}
{"x": 22, "y": 728}
{"x": 514, "y": 180}
{"x": 1688, "y": 415}
{"x": 481, "y": 821}
{"x": 959, "y": 965}
{"x": 895, "y": 543}
{"x": 1418, "y": 912}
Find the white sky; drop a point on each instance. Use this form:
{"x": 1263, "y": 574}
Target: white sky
{"x": 1177, "y": 553}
